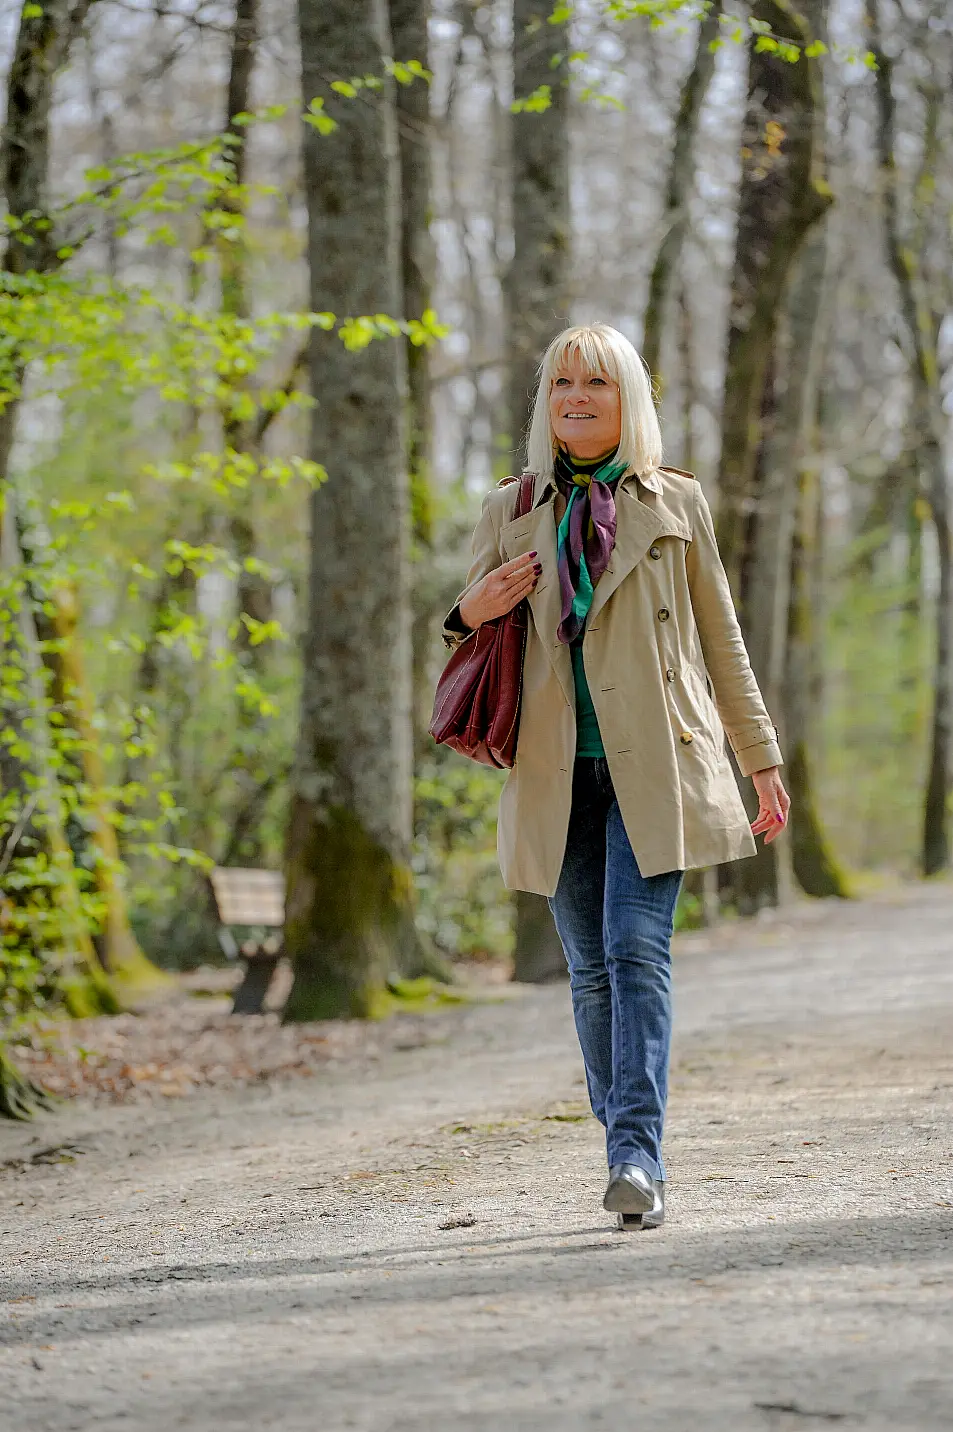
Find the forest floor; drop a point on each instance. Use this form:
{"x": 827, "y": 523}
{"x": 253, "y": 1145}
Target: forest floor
{"x": 410, "y": 1237}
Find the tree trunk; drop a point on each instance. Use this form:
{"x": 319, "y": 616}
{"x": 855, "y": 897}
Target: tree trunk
{"x": 536, "y": 291}
{"x": 922, "y": 326}
{"x": 816, "y": 868}
{"x": 350, "y": 889}
{"x": 536, "y": 284}
{"x": 42, "y": 46}
{"x": 783, "y": 193}
{"x": 678, "y": 191}
{"x": 133, "y": 974}
{"x": 36, "y": 818}
{"x": 408, "y": 20}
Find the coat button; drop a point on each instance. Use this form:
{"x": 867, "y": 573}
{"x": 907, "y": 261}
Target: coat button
{"x": 663, "y": 614}
{"x": 686, "y": 738}
{"x": 655, "y": 553}
{"x": 670, "y": 674}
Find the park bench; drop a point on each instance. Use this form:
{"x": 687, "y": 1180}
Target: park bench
{"x": 251, "y": 914}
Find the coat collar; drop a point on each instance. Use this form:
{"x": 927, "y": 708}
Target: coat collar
{"x": 652, "y": 483}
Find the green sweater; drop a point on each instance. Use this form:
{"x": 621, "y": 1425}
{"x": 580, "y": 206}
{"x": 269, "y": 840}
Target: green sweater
{"x": 588, "y": 737}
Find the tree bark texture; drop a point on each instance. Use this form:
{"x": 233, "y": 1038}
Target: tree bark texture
{"x": 536, "y": 296}
{"x": 42, "y": 47}
{"x": 922, "y": 326}
{"x": 536, "y": 285}
{"x": 37, "y": 818}
{"x": 134, "y": 975}
{"x": 816, "y": 867}
{"x": 349, "y": 902}
{"x": 408, "y": 20}
{"x": 783, "y": 193}
{"x": 678, "y": 190}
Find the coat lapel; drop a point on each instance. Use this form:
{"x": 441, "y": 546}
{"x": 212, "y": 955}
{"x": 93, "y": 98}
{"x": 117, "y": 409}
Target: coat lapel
{"x": 536, "y": 532}
{"x": 637, "y": 526}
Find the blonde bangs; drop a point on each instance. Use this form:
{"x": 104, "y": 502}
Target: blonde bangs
{"x": 599, "y": 348}
{"x": 587, "y": 347}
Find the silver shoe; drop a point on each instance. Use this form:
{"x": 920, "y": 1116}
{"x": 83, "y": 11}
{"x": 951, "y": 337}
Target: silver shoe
{"x": 630, "y": 1190}
{"x": 641, "y": 1222}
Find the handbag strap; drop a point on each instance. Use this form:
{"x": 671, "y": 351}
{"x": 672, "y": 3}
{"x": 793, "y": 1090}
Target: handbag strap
{"x": 524, "y": 498}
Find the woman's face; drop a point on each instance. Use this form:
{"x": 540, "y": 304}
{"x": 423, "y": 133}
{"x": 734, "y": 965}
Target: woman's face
{"x": 585, "y": 411}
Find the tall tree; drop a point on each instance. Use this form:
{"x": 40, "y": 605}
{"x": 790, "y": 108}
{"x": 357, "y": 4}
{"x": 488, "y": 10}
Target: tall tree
{"x": 922, "y": 326}
{"x": 536, "y": 291}
{"x": 784, "y": 192}
{"x": 349, "y": 900}
{"x": 42, "y": 47}
{"x": 788, "y": 578}
{"x": 678, "y": 188}
{"x": 409, "y": 33}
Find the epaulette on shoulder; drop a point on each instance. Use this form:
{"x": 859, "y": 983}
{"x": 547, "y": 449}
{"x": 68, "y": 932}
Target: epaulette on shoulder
{"x": 505, "y": 481}
{"x": 679, "y": 472}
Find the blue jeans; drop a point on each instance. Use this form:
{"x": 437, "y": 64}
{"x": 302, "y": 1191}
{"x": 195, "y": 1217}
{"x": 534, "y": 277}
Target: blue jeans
{"x": 616, "y": 928}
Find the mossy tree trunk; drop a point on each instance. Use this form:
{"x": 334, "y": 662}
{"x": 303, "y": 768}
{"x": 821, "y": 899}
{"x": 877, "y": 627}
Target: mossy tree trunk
{"x": 678, "y": 190}
{"x": 783, "y": 194}
{"x": 44, "y": 36}
{"x": 816, "y": 867}
{"x": 536, "y": 295}
{"x": 49, "y": 920}
{"x": 134, "y": 975}
{"x": 349, "y": 887}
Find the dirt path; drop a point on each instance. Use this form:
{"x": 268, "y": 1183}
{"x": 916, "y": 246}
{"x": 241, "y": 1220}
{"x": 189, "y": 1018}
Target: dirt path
{"x": 278, "y": 1258}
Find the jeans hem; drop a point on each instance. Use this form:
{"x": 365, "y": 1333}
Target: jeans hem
{"x": 641, "y": 1161}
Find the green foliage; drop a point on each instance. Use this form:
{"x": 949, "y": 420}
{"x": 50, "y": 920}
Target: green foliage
{"x": 161, "y": 708}
{"x": 462, "y": 903}
{"x": 874, "y": 743}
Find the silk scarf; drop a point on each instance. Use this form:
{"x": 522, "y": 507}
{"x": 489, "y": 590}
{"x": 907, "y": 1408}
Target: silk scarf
{"x": 585, "y": 536}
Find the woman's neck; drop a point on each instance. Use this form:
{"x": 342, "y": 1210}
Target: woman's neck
{"x": 585, "y": 464}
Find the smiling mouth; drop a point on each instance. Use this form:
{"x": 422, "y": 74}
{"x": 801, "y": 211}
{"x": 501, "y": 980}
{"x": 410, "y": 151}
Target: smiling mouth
{"x": 579, "y": 417}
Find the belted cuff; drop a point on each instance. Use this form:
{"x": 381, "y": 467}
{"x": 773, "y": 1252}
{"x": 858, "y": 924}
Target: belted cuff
{"x": 756, "y": 747}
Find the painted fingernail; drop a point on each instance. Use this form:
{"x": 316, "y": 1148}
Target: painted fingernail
{"x": 538, "y": 568}
{"x": 779, "y": 819}
{"x": 534, "y": 554}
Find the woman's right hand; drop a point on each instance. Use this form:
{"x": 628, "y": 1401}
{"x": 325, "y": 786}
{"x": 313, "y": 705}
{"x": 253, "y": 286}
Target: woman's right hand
{"x": 500, "y": 590}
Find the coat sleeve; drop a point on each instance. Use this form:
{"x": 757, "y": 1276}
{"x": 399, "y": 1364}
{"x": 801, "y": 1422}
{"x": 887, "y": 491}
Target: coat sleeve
{"x": 485, "y": 548}
{"x": 740, "y": 704}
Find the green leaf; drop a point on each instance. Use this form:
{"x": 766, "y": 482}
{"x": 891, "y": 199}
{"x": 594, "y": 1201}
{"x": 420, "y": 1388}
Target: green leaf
{"x": 32, "y": 12}
{"x": 344, "y": 87}
{"x": 536, "y": 103}
{"x": 317, "y": 118}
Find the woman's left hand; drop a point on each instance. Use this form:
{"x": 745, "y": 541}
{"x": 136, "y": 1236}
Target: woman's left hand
{"x": 773, "y": 804}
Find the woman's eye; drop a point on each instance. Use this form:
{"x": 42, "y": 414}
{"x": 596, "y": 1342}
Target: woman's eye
{"x": 600, "y": 381}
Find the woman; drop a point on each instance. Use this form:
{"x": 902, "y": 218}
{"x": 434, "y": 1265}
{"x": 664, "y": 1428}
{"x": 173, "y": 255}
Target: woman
{"x": 635, "y": 670}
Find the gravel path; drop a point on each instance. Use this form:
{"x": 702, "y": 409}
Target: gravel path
{"x": 412, "y": 1240}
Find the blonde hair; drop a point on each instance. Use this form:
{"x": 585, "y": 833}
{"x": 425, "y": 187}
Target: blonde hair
{"x": 598, "y": 348}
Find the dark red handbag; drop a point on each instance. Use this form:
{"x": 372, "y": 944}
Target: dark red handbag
{"x": 477, "y": 706}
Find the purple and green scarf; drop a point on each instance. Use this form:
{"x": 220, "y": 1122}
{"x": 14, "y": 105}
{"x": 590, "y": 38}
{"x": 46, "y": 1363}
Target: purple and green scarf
{"x": 585, "y": 536}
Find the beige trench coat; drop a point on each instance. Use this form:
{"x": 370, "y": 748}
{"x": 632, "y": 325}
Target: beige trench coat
{"x": 662, "y": 634}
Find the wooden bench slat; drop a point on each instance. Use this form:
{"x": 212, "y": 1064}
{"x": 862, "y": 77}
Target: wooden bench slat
{"x": 249, "y": 897}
